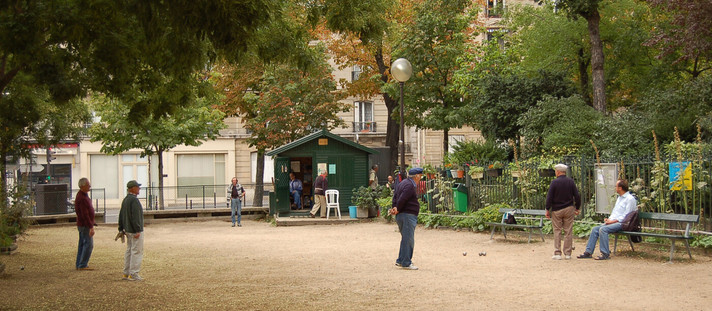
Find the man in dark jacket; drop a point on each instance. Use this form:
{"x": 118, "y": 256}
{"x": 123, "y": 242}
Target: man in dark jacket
{"x": 131, "y": 222}
{"x": 85, "y": 224}
{"x": 321, "y": 184}
{"x": 406, "y": 207}
{"x": 563, "y": 203}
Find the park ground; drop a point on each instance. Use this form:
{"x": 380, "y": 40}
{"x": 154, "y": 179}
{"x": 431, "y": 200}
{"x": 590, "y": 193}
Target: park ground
{"x": 210, "y": 265}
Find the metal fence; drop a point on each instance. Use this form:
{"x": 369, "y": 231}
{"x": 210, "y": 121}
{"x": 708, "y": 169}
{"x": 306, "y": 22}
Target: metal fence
{"x": 527, "y": 186}
{"x": 200, "y": 196}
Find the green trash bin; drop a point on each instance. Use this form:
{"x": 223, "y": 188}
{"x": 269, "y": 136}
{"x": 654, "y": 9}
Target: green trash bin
{"x": 459, "y": 196}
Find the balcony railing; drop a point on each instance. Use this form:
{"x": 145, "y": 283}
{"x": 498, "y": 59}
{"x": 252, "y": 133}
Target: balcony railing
{"x": 364, "y": 127}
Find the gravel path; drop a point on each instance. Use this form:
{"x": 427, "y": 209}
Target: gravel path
{"x": 210, "y": 265}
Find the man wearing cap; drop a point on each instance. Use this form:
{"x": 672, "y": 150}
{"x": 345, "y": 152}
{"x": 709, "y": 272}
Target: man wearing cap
{"x": 321, "y": 184}
{"x": 131, "y": 222}
{"x": 563, "y": 203}
{"x": 406, "y": 207}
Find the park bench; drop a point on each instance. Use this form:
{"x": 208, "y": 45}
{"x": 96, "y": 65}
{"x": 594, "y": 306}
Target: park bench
{"x": 528, "y": 219}
{"x": 687, "y": 220}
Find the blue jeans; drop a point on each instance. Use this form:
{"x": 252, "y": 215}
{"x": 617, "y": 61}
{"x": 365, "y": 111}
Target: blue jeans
{"x": 236, "y": 207}
{"x": 85, "y": 247}
{"x": 601, "y": 233}
{"x": 406, "y": 225}
{"x": 297, "y": 195}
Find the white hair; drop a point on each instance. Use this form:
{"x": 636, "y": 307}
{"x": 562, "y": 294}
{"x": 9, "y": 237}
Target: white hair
{"x": 83, "y": 182}
{"x": 561, "y": 167}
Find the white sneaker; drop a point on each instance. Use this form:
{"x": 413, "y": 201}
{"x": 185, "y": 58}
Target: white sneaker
{"x": 556, "y": 257}
{"x": 411, "y": 267}
{"x": 135, "y": 277}
{"x": 568, "y": 257}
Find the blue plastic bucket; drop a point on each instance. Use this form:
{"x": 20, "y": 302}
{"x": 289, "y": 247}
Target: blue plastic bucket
{"x": 352, "y": 211}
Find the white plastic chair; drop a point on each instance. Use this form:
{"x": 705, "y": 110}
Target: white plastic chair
{"x": 332, "y": 201}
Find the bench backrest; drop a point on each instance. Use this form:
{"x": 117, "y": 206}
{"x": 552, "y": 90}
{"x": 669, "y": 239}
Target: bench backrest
{"x": 669, "y": 217}
{"x": 689, "y": 219}
{"x": 530, "y": 212}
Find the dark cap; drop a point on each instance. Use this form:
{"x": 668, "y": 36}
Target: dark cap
{"x": 132, "y": 184}
{"x": 415, "y": 170}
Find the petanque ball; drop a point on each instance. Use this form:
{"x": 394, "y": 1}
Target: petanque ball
{"x": 464, "y": 254}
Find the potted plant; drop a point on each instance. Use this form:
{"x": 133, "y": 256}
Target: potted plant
{"x": 365, "y": 199}
{"x": 495, "y": 169}
{"x": 477, "y": 172}
{"x": 429, "y": 171}
{"x": 516, "y": 170}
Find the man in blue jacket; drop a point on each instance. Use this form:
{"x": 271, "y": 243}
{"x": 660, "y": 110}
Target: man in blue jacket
{"x": 406, "y": 207}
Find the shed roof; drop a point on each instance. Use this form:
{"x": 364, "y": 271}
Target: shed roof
{"x": 316, "y": 135}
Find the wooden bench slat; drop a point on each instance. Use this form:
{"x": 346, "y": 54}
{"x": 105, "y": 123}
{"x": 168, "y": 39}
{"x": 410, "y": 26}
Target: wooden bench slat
{"x": 669, "y": 217}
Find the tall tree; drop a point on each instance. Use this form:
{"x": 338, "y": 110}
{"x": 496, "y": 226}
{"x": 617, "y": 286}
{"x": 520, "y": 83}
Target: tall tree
{"x": 364, "y": 29}
{"x": 686, "y": 31}
{"x": 63, "y": 48}
{"x": 279, "y": 103}
{"x": 589, "y": 10}
{"x": 433, "y": 42}
{"x": 190, "y": 124}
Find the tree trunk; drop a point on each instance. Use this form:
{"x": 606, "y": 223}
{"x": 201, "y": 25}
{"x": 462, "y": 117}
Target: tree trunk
{"x": 391, "y": 105}
{"x": 160, "y": 179}
{"x": 583, "y": 62}
{"x": 599, "y": 82}
{"x": 259, "y": 179}
{"x": 3, "y": 180}
{"x": 446, "y": 134}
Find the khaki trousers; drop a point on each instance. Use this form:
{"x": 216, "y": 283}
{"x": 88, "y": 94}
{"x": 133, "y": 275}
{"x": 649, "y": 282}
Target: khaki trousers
{"x": 563, "y": 219}
{"x": 319, "y": 203}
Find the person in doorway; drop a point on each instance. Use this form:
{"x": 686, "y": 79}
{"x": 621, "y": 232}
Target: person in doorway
{"x": 390, "y": 184}
{"x": 405, "y": 207}
{"x": 131, "y": 223}
{"x": 625, "y": 204}
{"x": 235, "y": 195}
{"x": 295, "y": 190}
{"x": 372, "y": 177}
{"x": 321, "y": 184}
{"x": 85, "y": 224}
{"x": 563, "y": 203}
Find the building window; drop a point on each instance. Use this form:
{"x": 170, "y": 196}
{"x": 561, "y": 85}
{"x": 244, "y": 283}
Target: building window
{"x": 269, "y": 168}
{"x": 453, "y": 140}
{"x": 200, "y": 169}
{"x": 355, "y": 73}
{"x": 495, "y": 8}
{"x": 363, "y": 117}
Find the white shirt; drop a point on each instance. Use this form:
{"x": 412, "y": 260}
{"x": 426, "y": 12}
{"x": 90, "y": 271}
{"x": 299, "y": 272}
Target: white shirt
{"x": 625, "y": 204}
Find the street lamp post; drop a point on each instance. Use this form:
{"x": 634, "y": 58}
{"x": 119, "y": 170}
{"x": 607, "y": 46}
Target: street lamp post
{"x": 401, "y": 70}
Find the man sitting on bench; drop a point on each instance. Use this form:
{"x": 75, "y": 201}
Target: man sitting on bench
{"x": 625, "y": 204}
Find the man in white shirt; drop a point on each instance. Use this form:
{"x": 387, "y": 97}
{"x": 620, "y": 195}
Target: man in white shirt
{"x": 625, "y": 204}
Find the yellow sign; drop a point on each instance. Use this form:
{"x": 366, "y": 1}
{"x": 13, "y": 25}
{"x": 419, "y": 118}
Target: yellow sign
{"x": 680, "y": 176}
{"x": 323, "y": 141}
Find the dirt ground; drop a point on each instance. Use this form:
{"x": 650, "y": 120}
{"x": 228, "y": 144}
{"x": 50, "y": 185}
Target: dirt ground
{"x": 210, "y": 265}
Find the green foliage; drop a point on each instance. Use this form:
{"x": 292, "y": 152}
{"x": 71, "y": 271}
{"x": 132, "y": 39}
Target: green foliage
{"x": 13, "y": 217}
{"x": 499, "y": 101}
{"x": 565, "y": 122}
{"x": 702, "y": 242}
{"x": 385, "y": 203}
{"x": 432, "y": 43}
{"x": 474, "y": 221}
{"x": 478, "y": 152}
{"x": 365, "y": 197}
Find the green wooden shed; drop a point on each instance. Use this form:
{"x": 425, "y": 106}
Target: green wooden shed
{"x": 346, "y": 162}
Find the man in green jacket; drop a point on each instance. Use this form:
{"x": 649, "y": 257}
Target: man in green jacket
{"x": 131, "y": 223}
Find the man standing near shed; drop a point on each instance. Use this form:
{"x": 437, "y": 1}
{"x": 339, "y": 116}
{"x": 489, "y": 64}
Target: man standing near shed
{"x": 563, "y": 203}
{"x": 373, "y": 177}
{"x": 85, "y": 224}
{"x": 406, "y": 207}
{"x": 321, "y": 184}
{"x": 131, "y": 223}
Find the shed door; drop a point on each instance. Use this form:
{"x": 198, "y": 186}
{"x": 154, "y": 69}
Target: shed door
{"x": 281, "y": 184}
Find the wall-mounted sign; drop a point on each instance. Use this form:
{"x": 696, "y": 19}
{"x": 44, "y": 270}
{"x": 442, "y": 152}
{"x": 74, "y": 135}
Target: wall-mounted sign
{"x": 323, "y": 141}
{"x": 332, "y": 169}
{"x": 680, "y": 176}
